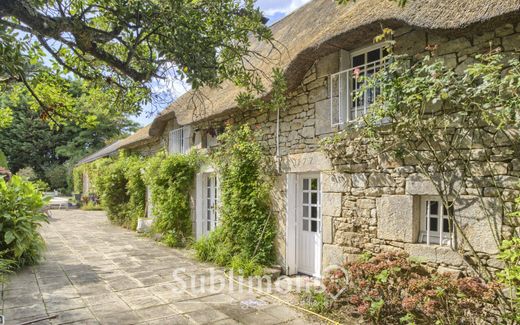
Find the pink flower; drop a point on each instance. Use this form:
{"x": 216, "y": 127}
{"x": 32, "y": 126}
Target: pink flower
{"x": 356, "y": 72}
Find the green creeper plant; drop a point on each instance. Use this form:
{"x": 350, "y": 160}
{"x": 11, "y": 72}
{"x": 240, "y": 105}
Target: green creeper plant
{"x": 170, "y": 179}
{"x": 244, "y": 239}
{"x": 120, "y": 186}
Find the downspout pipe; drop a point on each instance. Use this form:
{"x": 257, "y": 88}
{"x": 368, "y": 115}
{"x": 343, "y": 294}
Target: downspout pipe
{"x": 278, "y": 158}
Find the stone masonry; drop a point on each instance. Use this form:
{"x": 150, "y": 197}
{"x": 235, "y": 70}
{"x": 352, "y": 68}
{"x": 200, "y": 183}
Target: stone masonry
{"x": 373, "y": 204}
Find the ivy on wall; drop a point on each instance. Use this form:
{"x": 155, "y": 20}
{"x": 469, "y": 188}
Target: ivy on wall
{"x": 170, "y": 179}
{"x": 244, "y": 238}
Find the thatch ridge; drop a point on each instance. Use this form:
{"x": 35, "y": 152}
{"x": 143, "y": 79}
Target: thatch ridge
{"x": 139, "y": 137}
{"x": 321, "y": 27}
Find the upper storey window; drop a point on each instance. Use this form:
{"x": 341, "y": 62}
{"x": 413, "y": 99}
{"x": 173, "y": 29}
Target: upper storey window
{"x": 179, "y": 140}
{"x": 349, "y": 98}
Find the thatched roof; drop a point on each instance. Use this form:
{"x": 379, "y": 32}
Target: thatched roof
{"x": 141, "y": 136}
{"x": 105, "y": 152}
{"x": 321, "y": 27}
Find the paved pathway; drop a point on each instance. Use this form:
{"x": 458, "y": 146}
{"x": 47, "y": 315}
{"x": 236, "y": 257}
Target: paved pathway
{"x": 95, "y": 273}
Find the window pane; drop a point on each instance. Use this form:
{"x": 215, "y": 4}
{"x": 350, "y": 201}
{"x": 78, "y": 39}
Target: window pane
{"x": 314, "y": 184}
{"x": 305, "y": 184}
{"x": 314, "y": 212}
{"x": 314, "y": 225}
{"x": 314, "y": 198}
{"x": 446, "y": 225}
{"x": 434, "y": 224}
{"x": 434, "y": 207}
{"x": 374, "y": 55}
{"x": 358, "y": 60}
{"x": 306, "y": 225}
{"x": 305, "y": 198}
{"x": 305, "y": 212}
{"x": 445, "y": 211}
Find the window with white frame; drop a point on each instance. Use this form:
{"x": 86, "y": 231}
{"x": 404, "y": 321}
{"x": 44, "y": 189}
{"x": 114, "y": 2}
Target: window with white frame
{"x": 436, "y": 226}
{"x": 179, "y": 140}
{"x": 349, "y": 98}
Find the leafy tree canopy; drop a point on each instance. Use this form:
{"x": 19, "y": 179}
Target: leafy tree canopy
{"x": 30, "y": 142}
{"x": 119, "y": 47}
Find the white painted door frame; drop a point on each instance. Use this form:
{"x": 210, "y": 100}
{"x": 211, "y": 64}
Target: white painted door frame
{"x": 294, "y": 223}
{"x": 200, "y": 204}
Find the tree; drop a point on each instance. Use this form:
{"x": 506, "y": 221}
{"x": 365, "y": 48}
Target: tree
{"x": 30, "y": 142}
{"x": 121, "y": 47}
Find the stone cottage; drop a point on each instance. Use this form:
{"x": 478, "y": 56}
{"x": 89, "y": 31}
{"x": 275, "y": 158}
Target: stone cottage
{"x": 330, "y": 210}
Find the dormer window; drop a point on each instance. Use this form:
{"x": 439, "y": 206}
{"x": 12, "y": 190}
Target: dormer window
{"x": 349, "y": 100}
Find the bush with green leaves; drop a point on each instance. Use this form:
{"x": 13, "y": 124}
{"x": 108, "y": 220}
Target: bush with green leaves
{"x": 510, "y": 275}
{"x": 389, "y": 288}
{"x": 20, "y": 219}
{"x": 170, "y": 178}
{"x": 244, "y": 239}
{"x": 77, "y": 179}
{"x": 6, "y": 267}
{"x": 41, "y": 185}
{"x": 56, "y": 175}
{"x": 3, "y": 159}
{"x": 120, "y": 186}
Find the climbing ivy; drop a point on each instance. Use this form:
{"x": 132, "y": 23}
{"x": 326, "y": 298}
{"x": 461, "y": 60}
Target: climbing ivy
{"x": 244, "y": 238}
{"x": 170, "y": 179}
{"x": 77, "y": 178}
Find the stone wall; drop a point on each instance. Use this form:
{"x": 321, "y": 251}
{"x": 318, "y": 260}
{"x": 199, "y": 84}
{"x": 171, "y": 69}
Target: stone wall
{"x": 373, "y": 204}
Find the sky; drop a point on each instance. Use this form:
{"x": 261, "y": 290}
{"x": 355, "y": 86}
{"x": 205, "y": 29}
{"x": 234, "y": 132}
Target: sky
{"x": 273, "y": 9}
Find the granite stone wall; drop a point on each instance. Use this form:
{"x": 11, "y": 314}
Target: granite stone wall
{"x": 373, "y": 203}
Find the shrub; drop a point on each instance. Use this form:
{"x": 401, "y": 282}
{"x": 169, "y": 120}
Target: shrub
{"x": 77, "y": 179}
{"x": 121, "y": 188}
{"x": 41, "y": 185}
{"x": 113, "y": 193}
{"x": 316, "y": 301}
{"x": 247, "y": 228}
{"x": 246, "y": 266}
{"x": 27, "y": 173}
{"x": 6, "y": 267}
{"x": 388, "y": 288}
{"x": 20, "y": 219}
{"x": 56, "y": 175}
{"x": 170, "y": 178}
{"x": 91, "y": 206}
{"x": 3, "y": 159}
{"x": 135, "y": 188}
{"x": 510, "y": 276}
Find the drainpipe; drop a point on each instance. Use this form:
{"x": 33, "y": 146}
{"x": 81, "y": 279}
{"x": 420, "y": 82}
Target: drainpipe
{"x": 278, "y": 158}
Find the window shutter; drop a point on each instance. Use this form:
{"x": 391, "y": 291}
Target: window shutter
{"x": 175, "y": 141}
{"x": 199, "y": 205}
{"x": 186, "y": 139}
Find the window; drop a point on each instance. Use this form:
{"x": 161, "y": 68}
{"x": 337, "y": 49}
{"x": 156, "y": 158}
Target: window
{"x": 310, "y": 205}
{"x": 179, "y": 140}
{"x": 349, "y": 100}
{"x": 436, "y": 227}
{"x": 212, "y": 200}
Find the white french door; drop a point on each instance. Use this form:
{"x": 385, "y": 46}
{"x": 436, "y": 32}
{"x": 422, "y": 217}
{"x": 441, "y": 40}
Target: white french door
{"x": 210, "y": 211}
{"x": 308, "y": 223}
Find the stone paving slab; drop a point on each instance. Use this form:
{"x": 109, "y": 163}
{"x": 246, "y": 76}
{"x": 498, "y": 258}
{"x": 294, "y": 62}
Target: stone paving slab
{"x": 98, "y": 273}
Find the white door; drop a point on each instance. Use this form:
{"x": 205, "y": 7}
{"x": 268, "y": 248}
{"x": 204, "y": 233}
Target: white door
{"x": 308, "y": 213}
{"x": 210, "y": 211}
